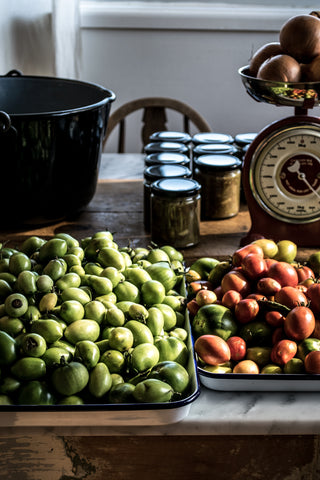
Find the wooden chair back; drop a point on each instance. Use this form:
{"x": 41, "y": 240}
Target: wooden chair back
{"x": 154, "y": 118}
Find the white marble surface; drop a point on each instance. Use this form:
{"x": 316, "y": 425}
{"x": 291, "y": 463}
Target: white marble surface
{"x": 213, "y": 413}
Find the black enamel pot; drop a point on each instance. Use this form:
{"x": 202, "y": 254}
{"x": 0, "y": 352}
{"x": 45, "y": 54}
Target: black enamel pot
{"x": 51, "y": 134}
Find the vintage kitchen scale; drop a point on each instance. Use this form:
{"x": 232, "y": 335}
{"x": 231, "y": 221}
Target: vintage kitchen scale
{"x": 281, "y": 169}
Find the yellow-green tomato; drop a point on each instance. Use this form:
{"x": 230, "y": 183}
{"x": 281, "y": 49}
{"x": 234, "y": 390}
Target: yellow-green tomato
{"x": 287, "y": 251}
{"x": 95, "y": 310}
{"x": 121, "y": 338}
{"x": 71, "y": 310}
{"x": 144, "y": 356}
{"x": 83, "y": 329}
{"x": 114, "y": 359}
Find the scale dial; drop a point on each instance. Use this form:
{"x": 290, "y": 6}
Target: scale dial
{"x": 281, "y": 181}
{"x": 285, "y": 174}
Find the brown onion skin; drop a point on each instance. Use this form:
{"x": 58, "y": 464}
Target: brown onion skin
{"x": 263, "y": 53}
{"x": 281, "y": 68}
{"x": 311, "y": 71}
{"x": 300, "y": 37}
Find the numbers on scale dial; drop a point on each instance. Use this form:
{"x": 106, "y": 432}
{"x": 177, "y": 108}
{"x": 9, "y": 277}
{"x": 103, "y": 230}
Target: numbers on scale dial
{"x": 286, "y": 175}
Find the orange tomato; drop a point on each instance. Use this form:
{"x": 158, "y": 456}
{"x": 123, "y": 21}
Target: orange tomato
{"x": 246, "y": 366}
{"x": 212, "y": 349}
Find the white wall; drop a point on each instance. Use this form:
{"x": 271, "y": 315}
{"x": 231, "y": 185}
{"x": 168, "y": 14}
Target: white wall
{"x": 197, "y": 65}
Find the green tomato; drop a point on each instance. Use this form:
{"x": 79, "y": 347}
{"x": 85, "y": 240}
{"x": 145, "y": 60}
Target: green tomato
{"x": 172, "y": 373}
{"x": 121, "y": 338}
{"x": 75, "y": 293}
{"x": 100, "y": 380}
{"x": 28, "y": 368}
{"x": 169, "y": 316}
{"x": 287, "y": 251}
{"x": 112, "y": 274}
{"x": 49, "y": 329}
{"x": 18, "y": 262}
{"x": 114, "y": 359}
{"x": 111, "y": 257}
{"x": 172, "y": 253}
{"x": 162, "y": 272}
{"x": 87, "y": 352}
{"x": 214, "y": 319}
{"x": 55, "y": 356}
{"x": 44, "y": 283}
{"x": 153, "y": 390}
{"x": 16, "y": 305}
{"x": 69, "y": 279}
{"x": 155, "y": 321}
{"x": 115, "y": 316}
{"x": 152, "y": 292}
{"x": 52, "y": 248}
{"x": 121, "y": 393}
{"x": 100, "y": 285}
{"x": 95, "y": 310}
{"x": 158, "y": 255}
{"x": 203, "y": 266}
{"x": 26, "y": 282}
{"x": 136, "y": 275}
{"x": 33, "y": 345}
{"x": 70, "y": 379}
{"x": 55, "y": 268}
{"x": 11, "y": 325}
{"x": 141, "y": 333}
{"x": 71, "y": 310}
{"x": 71, "y": 241}
{"x": 32, "y": 244}
{"x": 127, "y": 291}
{"x": 35, "y": 392}
{"x": 8, "y": 349}
{"x": 172, "y": 349}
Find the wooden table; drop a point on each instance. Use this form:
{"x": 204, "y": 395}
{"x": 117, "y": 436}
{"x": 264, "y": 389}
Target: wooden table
{"x": 125, "y": 454}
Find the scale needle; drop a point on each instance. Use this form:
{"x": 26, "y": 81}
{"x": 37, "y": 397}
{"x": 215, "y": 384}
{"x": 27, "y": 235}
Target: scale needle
{"x": 295, "y": 168}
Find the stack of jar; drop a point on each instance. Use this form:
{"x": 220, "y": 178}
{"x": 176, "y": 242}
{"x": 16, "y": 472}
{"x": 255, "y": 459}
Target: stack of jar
{"x": 190, "y": 178}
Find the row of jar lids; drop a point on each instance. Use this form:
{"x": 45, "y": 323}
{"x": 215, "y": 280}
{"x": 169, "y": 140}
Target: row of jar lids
{"x": 202, "y": 142}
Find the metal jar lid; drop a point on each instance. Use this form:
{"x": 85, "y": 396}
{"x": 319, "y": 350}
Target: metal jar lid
{"x": 166, "y": 158}
{"x": 170, "y": 136}
{"x": 217, "y": 162}
{"x": 215, "y": 149}
{"x": 175, "y": 187}
{"x": 155, "y": 172}
{"x": 154, "y": 147}
{"x": 243, "y": 139}
{"x": 211, "y": 137}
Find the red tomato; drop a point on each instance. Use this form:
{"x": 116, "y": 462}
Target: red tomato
{"x": 303, "y": 288}
{"x": 212, "y": 349}
{"x": 239, "y": 254}
{"x": 278, "y": 334}
{"x": 256, "y": 296}
{"x": 304, "y": 272}
{"x": 193, "y": 306}
{"x": 246, "y": 366}
{"x": 235, "y": 280}
{"x": 274, "y": 318}
{"x": 269, "y": 262}
{"x": 197, "y": 285}
{"x": 284, "y": 273}
{"x": 246, "y": 310}
{"x": 312, "y": 362}
{"x": 313, "y": 293}
{"x": 254, "y": 266}
{"x": 238, "y": 348}
{"x": 283, "y": 351}
{"x": 218, "y": 292}
{"x": 299, "y": 323}
{"x": 268, "y": 286}
{"x": 290, "y": 297}
{"x": 205, "y": 297}
{"x": 316, "y": 331}
{"x": 231, "y": 298}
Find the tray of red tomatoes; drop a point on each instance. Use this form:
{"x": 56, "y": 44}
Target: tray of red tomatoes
{"x": 255, "y": 318}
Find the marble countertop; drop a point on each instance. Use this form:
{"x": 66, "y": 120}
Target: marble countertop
{"x": 212, "y": 413}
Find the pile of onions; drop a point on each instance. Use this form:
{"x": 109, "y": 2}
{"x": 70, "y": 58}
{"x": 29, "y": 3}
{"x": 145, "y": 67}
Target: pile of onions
{"x": 295, "y": 57}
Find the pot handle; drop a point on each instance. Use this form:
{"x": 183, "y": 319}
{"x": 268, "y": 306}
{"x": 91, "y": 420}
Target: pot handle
{"x": 14, "y": 73}
{"x": 5, "y": 122}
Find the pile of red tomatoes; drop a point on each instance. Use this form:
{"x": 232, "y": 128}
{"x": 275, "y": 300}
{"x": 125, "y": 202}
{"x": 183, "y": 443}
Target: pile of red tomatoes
{"x": 259, "y": 312}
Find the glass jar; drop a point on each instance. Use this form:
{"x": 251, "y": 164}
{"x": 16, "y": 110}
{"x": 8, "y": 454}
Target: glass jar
{"x": 165, "y": 158}
{"x": 156, "y": 172}
{"x": 220, "y": 179}
{"x": 243, "y": 140}
{"x": 175, "y": 212}
{"x": 170, "y": 136}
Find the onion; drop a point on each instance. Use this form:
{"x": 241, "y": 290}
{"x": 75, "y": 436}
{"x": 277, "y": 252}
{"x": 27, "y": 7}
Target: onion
{"x": 300, "y": 37}
{"x": 281, "y": 68}
{"x": 311, "y": 71}
{"x": 263, "y": 53}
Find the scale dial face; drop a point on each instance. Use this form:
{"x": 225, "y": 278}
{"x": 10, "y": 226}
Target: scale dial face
{"x": 285, "y": 174}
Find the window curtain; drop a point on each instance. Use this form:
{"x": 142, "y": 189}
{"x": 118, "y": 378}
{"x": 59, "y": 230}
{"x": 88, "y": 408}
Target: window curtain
{"x": 41, "y": 37}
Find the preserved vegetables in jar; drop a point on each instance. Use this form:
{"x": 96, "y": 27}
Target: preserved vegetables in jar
{"x": 175, "y": 212}
{"x": 156, "y": 172}
{"x": 220, "y": 179}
